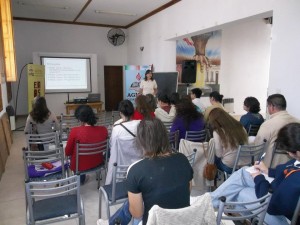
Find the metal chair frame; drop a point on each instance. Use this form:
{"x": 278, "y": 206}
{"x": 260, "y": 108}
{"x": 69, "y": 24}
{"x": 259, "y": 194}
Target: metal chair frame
{"x": 84, "y": 149}
{"x": 62, "y": 196}
{"x": 296, "y": 216}
{"x": 196, "y": 136}
{"x": 253, "y": 129}
{"x": 255, "y": 210}
{"x": 116, "y": 192}
{"x": 46, "y": 139}
{"x": 173, "y": 140}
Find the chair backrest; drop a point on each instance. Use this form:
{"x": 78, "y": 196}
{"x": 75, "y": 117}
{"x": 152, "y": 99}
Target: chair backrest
{"x": 191, "y": 157}
{"x": 46, "y": 190}
{"x": 35, "y": 159}
{"x": 253, "y": 129}
{"x": 248, "y": 154}
{"x": 196, "y": 136}
{"x": 276, "y": 151}
{"x": 47, "y": 140}
{"x": 174, "y": 140}
{"x": 296, "y": 216}
{"x": 247, "y": 210}
{"x": 119, "y": 175}
{"x": 66, "y": 123}
{"x": 168, "y": 125}
{"x": 91, "y": 149}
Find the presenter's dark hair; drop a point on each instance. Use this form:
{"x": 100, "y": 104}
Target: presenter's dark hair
{"x": 126, "y": 108}
{"x": 152, "y": 136}
{"x": 163, "y": 98}
{"x": 216, "y": 95}
{"x": 197, "y": 92}
{"x": 278, "y": 101}
{"x": 40, "y": 112}
{"x": 86, "y": 114}
{"x": 288, "y": 138}
{"x": 186, "y": 110}
{"x": 148, "y": 71}
{"x": 253, "y": 104}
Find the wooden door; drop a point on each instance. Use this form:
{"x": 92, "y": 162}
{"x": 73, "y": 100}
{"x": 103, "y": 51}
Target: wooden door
{"x": 113, "y": 81}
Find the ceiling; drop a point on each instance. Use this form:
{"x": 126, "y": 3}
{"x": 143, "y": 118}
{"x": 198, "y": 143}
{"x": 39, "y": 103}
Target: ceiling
{"x": 102, "y": 13}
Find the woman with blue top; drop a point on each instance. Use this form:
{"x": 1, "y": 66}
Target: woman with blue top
{"x": 253, "y": 117}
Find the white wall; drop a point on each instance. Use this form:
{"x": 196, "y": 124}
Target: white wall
{"x": 245, "y": 43}
{"x": 245, "y": 60}
{"x": 47, "y": 37}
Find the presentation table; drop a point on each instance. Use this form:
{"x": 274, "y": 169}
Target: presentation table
{"x": 73, "y": 106}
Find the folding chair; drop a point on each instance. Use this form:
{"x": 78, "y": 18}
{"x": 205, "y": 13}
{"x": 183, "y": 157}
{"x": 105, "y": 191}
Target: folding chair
{"x": 52, "y": 201}
{"x": 253, "y": 129}
{"x": 173, "y": 140}
{"x": 116, "y": 192}
{"x": 42, "y": 141}
{"x": 92, "y": 150}
{"x": 247, "y": 155}
{"x": 254, "y": 210}
{"x": 191, "y": 157}
{"x": 196, "y": 136}
{"x": 34, "y": 161}
{"x": 66, "y": 123}
{"x": 296, "y": 216}
{"x": 168, "y": 125}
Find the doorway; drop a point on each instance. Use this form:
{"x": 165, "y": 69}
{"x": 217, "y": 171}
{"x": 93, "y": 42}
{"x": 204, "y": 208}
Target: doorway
{"x": 113, "y": 83}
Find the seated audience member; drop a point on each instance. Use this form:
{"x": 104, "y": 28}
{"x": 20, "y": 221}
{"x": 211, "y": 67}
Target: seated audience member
{"x": 174, "y": 98}
{"x": 123, "y": 148}
{"x": 187, "y": 118}
{"x": 163, "y": 112}
{"x": 151, "y": 181}
{"x": 253, "y": 117}
{"x": 279, "y": 117}
{"x": 87, "y": 133}
{"x": 142, "y": 110}
{"x": 228, "y": 134}
{"x": 244, "y": 186}
{"x": 216, "y": 102}
{"x": 195, "y": 96}
{"x": 41, "y": 119}
{"x": 151, "y": 102}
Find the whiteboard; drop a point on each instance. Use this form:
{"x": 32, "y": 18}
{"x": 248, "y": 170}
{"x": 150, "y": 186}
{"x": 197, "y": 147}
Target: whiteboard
{"x": 166, "y": 82}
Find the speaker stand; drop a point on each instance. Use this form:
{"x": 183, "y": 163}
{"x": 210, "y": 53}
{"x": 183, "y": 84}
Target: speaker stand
{"x": 187, "y": 89}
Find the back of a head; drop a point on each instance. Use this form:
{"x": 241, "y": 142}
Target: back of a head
{"x": 86, "y": 115}
{"x": 197, "y": 92}
{"x": 278, "y": 101}
{"x": 217, "y": 96}
{"x": 174, "y": 98}
{"x": 253, "y": 104}
{"x": 142, "y": 106}
{"x": 126, "y": 108}
{"x": 151, "y": 101}
{"x": 288, "y": 137}
{"x": 163, "y": 98}
{"x": 40, "y": 111}
{"x": 229, "y": 129}
{"x": 152, "y": 137}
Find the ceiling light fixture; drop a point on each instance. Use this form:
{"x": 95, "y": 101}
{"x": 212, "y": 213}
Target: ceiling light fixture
{"x": 115, "y": 13}
{"x": 41, "y": 5}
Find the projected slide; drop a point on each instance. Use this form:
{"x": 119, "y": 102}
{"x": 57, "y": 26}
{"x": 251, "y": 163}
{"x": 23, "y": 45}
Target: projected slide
{"x": 67, "y": 74}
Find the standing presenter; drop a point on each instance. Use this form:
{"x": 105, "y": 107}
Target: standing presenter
{"x": 148, "y": 85}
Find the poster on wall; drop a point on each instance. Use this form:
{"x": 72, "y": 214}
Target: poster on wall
{"x": 206, "y": 50}
{"x": 133, "y": 76}
{"x": 36, "y": 82}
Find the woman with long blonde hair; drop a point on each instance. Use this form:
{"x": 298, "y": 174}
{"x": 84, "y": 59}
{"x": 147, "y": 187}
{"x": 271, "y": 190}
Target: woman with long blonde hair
{"x": 228, "y": 134}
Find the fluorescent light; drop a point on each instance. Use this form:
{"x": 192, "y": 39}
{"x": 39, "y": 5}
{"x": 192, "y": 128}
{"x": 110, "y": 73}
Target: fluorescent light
{"x": 42, "y": 5}
{"x": 115, "y": 13}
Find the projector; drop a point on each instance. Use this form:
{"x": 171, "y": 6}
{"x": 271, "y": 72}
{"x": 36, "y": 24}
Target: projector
{"x": 79, "y": 100}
